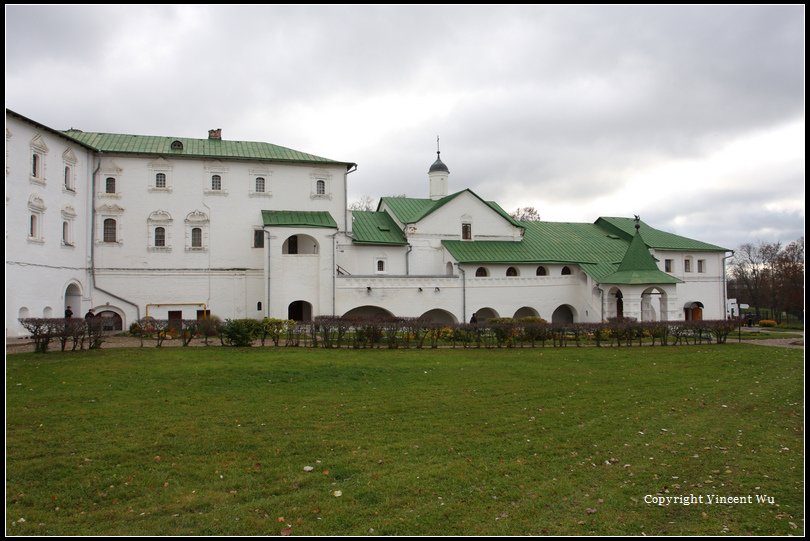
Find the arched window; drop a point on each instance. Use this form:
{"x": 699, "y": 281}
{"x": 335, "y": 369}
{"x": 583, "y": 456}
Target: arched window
{"x": 320, "y": 187}
{"x": 511, "y": 271}
{"x": 216, "y": 182}
{"x": 565, "y": 271}
{"x": 260, "y": 185}
{"x": 160, "y": 236}
{"x": 196, "y": 237}
{"x": 541, "y": 271}
{"x": 481, "y": 272}
{"x": 380, "y": 265}
{"x": 177, "y": 145}
{"x": 110, "y": 230}
{"x": 160, "y": 180}
{"x": 109, "y": 185}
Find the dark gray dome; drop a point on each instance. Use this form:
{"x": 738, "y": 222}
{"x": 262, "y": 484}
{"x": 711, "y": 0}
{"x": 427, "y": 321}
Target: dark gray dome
{"x": 438, "y": 165}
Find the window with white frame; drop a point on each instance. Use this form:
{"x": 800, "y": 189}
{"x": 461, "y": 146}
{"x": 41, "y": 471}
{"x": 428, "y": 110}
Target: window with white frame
{"x": 110, "y": 185}
{"x": 38, "y": 152}
{"x": 109, "y": 181}
{"x": 197, "y": 224}
{"x": 259, "y": 182}
{"x": 687, "y": 264}
{"x": 68, "y": 219}
{"x": 380, "y": 265}
{"x": 160, "y": 176}
{"x": 321, "y": 188}
{"x": 108, "y": 225}
{"x": 69, "y": 163}
{"x": 110, "y": 231}
{"x": 701, "y": 265}
{"x": 36, "y": 215}
{"x": 159, "y": 230}
{"x": 216, "y": 179}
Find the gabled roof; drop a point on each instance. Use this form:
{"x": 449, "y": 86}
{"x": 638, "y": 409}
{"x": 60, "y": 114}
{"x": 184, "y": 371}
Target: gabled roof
{"x": 378, "y": 228}
{"x": 639, "y": 267}
{"x": 409, "y": 210}
{"x": 297, "y": 218}
{"x": 655, "y": 238}
{"x": 196, "y": 148}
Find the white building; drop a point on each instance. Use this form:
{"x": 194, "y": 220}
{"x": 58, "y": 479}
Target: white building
{"x": 175, "y": 228}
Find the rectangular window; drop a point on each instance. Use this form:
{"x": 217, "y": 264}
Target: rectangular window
{"x": 466, "y": 231}
{"x": 687, "y": 265}
{"x": 160, "y": 237}
{"x": 196, "y": 237}
{"x": 258, "y": 238}
{"x": 203, "y": 314}
{"x": 380, "y": 265}
{"x": 216, "y": 182}
{"x": 668, "y": 265}
{"x": 259, "y": 184}
{"x": 160, "y": 180}
{"x": 701, "y": 265}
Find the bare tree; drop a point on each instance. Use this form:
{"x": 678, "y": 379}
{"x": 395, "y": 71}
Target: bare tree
{"x": 364, "y": 203}
{"x": 526, "y": 214}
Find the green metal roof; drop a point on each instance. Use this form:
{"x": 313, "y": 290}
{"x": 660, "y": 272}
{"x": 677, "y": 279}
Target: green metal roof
{"x": 599, "y": 252}
{"x": 638, "y": 267}
{"x": 655, "y": 238}
{"x": 196, "y": 148}
{"x": 376, "y": 228}
{"x": 409, "y": 210}
{"x": 297, "y": 218}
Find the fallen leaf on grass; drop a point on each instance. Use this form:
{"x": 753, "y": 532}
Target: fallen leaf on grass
{"x": 286, "y": 531}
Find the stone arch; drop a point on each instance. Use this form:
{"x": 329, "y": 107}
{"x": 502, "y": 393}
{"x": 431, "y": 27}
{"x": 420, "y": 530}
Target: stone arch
{"x": 563, "y": 314}
{"x": 526, "y": 311}
{"x": 693, "y": 311}
{"x": 437, "y": 315}
{"x": 653, "y": 304}
{"x": 481, "y": 272}
{"x": 299, "y": 311}
{"x": 615, "y": 303}
{"x": 299, "y": 245}
{"x": 485, "y": 314}
{"x": 368, "y": 312}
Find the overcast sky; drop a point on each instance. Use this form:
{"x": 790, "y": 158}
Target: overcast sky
{"x": 692, "y": 117}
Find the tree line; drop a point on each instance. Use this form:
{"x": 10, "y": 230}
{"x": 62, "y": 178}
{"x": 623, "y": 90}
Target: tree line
{"x": 769, "y": 277}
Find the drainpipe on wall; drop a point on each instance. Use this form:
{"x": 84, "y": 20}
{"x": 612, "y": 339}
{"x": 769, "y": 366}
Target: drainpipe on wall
{"x": 94, "y": 285}
{"x": 334, "y": 270}
{"x": 266, "y": 265}
{"x": 208, "y": 301}
{"x": 408, "y": 260}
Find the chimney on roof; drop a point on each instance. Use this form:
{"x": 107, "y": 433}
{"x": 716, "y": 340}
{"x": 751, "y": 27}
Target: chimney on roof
{"x": 215, "y": 134}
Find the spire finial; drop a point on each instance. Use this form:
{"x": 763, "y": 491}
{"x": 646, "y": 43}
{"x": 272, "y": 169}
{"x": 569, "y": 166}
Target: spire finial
{"x": 637, "y": 220}
{"x": 438, "y": 150}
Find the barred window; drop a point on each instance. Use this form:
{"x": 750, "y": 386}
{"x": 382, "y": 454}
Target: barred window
{"x": 160, "y": 180}
{"x": 110, "y": 230}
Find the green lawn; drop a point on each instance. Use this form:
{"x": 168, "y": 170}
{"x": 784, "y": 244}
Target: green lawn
{"x": 206, "y": 441}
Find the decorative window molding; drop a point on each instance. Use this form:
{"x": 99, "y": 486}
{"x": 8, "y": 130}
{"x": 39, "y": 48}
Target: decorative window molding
{"x": 36, "y": 217}
{"x": 37, "y": 167}
{"x": 215, "y": 180}
{"x": 160, "y": 176}
{"x": 105, "y": 231}
{"x": 68, "y": 223}
{"x": 109, "y": 171}
{"x": 196, "y": 227}
{"x": 320, "y": 185}
{"x": 69, "y": 162}
{"x": 159, "y": 237}
{"x": 259, "y": 183}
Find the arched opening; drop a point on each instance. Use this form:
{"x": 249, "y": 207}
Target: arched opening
{"x": 299, "y": 245}
{"x": 693, "y": 311}
{"x": 448, "y": 269}
{"x": 653, "y": 304}
{"x": 368, "y": 312}
{"x": 565, "y": 271}
{"x": 615, "y": 303}
{"x": 541, "y": 271}
{"x": 47, "y": 312}
{"x": 526, "y": 311}
{"x": 299, "y": 311}
{"x": 437, "y": 315}
{"x": 110, "y": 321}
{"x": 481, "y": 272}
{"x": 562, "y": 315}
{"x": 485, "y": 314}
{"x": 512, "y": 271}
{"x": 23, "y": 313}
{"x": 73, "y": 299}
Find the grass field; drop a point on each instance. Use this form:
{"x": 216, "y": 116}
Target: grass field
{"x": 205, "y": 441}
